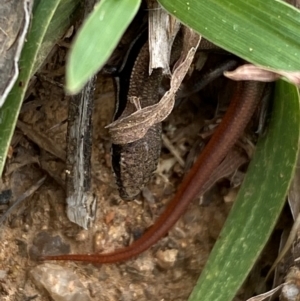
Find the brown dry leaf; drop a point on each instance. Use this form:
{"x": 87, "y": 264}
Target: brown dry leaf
{"x": 22, "y": 197}
{"x": 288, "y": 244}
{"x": 251, "y": 72}
{"x": 293, "y": 77}
{"x": 134, "y": 127}
{"x": 42, "y": 140}
{"x": 231, "y": 163}
{"x": 266, "y": 295}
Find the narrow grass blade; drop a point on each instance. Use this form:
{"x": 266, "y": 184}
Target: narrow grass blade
{"x": 97, "y": 39}
{"x": 60, "y": 22}
{"x": 258, "y": 204}
{"x": 43, "y": 15}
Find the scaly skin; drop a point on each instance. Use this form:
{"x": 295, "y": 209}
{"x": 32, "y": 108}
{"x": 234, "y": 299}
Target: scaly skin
{"x": 240, "y": 110}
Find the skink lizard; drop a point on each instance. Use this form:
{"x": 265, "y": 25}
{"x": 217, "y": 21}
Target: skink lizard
{"x": 232, "y": 126}
{"x": 241, "y": 108}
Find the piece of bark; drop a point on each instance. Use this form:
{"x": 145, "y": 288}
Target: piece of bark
{"x": 81, "y": 203}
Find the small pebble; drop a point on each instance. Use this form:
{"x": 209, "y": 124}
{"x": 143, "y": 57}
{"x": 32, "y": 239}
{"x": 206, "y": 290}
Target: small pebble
{"x": 166, "y": 259}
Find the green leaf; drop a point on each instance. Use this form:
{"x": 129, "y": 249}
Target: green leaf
{"x": 56, "y": 29}
{"x": 262, "y": 32}
{"x": 43, "y": 17}
{"x": 259, "y": 202}
{"x": 97, "y": 39}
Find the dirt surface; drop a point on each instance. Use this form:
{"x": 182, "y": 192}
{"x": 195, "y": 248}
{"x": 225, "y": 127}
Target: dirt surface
{"x": 38, "y": 225}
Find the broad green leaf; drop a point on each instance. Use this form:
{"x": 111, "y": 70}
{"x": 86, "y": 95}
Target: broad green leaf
{"x": 97, "y": 39}
{"x": 43, "y": 17}
{"x": 259, "y": 202}
{"x": 262, "y": 32}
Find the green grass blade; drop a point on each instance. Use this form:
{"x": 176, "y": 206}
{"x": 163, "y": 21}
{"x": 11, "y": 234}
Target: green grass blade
{"x": 259, "y": 202}
{"x": 97, "y": 39}
{"x": 43, "y": 15}
{"x": 57, "y": 27}
{"x": 262, "y": 32}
